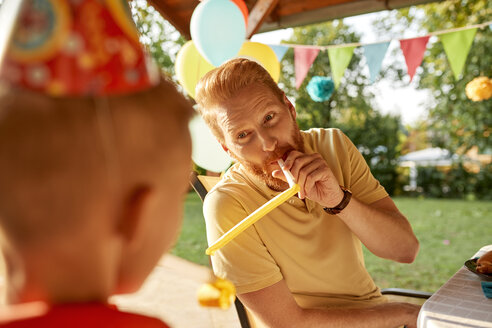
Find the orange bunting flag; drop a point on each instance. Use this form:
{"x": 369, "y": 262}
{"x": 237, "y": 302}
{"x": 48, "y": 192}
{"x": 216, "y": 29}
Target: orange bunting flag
{"x": 413, "y": 51}
{"x": 303, "y": 59}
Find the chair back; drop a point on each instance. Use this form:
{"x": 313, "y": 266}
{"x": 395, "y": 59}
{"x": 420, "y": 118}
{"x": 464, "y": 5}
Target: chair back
{"x": 202, "y": 184}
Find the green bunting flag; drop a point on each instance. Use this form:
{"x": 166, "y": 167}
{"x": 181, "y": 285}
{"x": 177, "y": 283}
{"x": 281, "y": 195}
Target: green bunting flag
{"x": 339, "y": 60}
{"x": 457, "y": 45}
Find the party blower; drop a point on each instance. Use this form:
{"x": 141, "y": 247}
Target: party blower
{"x": 259, "y": 213}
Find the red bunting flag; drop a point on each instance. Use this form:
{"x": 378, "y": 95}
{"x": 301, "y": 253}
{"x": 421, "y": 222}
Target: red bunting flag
{"x": 303, "y": 59}
{"x": 413, "y": 51}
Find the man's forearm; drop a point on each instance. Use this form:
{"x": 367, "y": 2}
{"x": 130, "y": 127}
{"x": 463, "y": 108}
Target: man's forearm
{"x": 382, "y": 229}
{"x": 388, "y": 315}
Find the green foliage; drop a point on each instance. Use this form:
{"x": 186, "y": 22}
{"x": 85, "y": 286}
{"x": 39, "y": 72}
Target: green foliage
{"x": 456, "y": 122}
{"x": 483, "y": 182}
{"x": 457, "y": 182}
{"x": 161, "y": 38}
{"x": 377, "y": 138}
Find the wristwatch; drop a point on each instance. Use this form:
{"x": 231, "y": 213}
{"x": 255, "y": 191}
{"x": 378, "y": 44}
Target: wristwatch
{"x": 347, "y": 195}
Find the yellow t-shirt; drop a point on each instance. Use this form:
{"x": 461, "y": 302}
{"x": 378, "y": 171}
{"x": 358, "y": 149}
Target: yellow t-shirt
{"x": 319, "y": 257}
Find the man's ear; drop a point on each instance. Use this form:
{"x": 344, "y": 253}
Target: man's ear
{"x": 290, "y": 106}
{"x": 133, "y": 213}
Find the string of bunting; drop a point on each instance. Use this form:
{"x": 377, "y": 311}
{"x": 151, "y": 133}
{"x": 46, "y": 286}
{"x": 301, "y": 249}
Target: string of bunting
{"x": 456, "y": 42}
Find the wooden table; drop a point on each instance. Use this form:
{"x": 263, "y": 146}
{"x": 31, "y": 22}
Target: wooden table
{"x": 460, "y": 302}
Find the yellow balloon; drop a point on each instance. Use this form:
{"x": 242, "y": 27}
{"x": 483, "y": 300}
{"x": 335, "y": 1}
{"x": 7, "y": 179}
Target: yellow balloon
{"x": 190, "y": 66}
{"x": 262, "y": 54}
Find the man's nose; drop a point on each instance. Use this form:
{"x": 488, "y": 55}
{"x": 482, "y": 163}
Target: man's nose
{"x": 268, "y": 142}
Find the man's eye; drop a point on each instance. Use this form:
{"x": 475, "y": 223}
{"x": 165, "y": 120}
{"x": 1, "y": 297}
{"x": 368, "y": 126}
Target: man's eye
{"x": 268, "y": 117}
{"x": 242, "y": 135}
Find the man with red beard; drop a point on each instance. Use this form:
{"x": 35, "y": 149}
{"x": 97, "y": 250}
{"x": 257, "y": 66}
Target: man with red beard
{"x": 302, "y": 264}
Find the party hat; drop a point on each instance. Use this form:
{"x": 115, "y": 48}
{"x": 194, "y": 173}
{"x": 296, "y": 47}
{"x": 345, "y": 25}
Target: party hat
{"x": 76, "y": 47}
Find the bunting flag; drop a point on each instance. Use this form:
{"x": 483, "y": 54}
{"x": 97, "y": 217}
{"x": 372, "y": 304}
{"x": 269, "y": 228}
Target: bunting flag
{"x": 456, "y": 42}
{"x": 279, "y": 50}
{"x": 339, "y": 60}
{"x": 303, "y": 59}
{"x": 413, "y": 51}
{"x": 457, "y": 45}
{"x": 374, "y": 54}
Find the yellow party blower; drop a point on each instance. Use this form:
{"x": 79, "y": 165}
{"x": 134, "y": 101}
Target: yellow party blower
{"x": 258, "y": 214}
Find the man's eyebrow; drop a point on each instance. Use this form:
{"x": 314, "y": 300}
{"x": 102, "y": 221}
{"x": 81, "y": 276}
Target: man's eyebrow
{"x": 233, "y": 130}
{"x": 267, "y": 102}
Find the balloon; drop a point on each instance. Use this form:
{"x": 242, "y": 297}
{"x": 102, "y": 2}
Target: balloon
{"x": 190, "y": 66}
{"x": 263, "y": 55}
{"x": 218, "y": 30}
{"x": 206, "y": 150}
{"x": 242, "y": 6}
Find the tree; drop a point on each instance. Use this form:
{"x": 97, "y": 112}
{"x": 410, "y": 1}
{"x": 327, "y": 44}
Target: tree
{"x": 160, "y": 37}
{"x": 456, "y": 122}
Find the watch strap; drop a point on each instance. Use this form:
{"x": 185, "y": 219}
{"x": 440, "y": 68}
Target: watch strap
{"x": 347, "y": 195}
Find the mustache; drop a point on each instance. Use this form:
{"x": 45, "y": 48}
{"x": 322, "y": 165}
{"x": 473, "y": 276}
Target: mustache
{"x": 278, "y": 153}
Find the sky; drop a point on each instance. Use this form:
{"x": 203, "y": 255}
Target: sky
{"x": 406, "y": 101}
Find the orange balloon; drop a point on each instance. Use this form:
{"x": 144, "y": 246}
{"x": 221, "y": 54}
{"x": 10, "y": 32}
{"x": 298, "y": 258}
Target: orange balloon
{"x": 242, "y": 6}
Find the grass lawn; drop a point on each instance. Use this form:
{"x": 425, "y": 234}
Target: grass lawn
{"x": 192, "y": 240}
{"x": 449, "y": 231}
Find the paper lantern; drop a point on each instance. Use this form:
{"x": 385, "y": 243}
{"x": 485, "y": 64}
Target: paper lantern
{"x": 478, "y": 89}
{"x": 320, "y": 88}
{"x": 190, "y": 66}
{"x": 218, "y": 30}
{"x": 263, "y": 55}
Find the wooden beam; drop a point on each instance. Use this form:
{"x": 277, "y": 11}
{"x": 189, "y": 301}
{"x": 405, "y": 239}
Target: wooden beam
{"x": 257, "y": 16}
{"x": 171, "y": 15}
{"x": 290, "y": 16}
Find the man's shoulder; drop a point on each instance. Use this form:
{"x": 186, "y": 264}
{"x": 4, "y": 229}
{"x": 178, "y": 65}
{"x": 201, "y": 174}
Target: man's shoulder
{"x": 233, "y": 184}
{"x": 316, "y": 133}
{"x": 321, "y": 140}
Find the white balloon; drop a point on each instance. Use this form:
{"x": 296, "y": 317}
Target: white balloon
{"x": 206, "y": 150}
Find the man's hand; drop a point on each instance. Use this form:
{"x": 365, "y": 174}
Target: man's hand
{"x": 380, "y": 225}
{"x": 314, "y": 177}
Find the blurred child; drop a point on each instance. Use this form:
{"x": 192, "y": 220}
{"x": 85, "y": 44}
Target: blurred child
{"x": 92, "y": 174}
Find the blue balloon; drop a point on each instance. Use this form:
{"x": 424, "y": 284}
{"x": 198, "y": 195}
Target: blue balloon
{"x": 218, "y": 30}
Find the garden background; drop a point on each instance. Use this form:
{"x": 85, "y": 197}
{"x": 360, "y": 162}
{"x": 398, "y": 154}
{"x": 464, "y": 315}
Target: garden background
{"x": 450, "y": 210}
